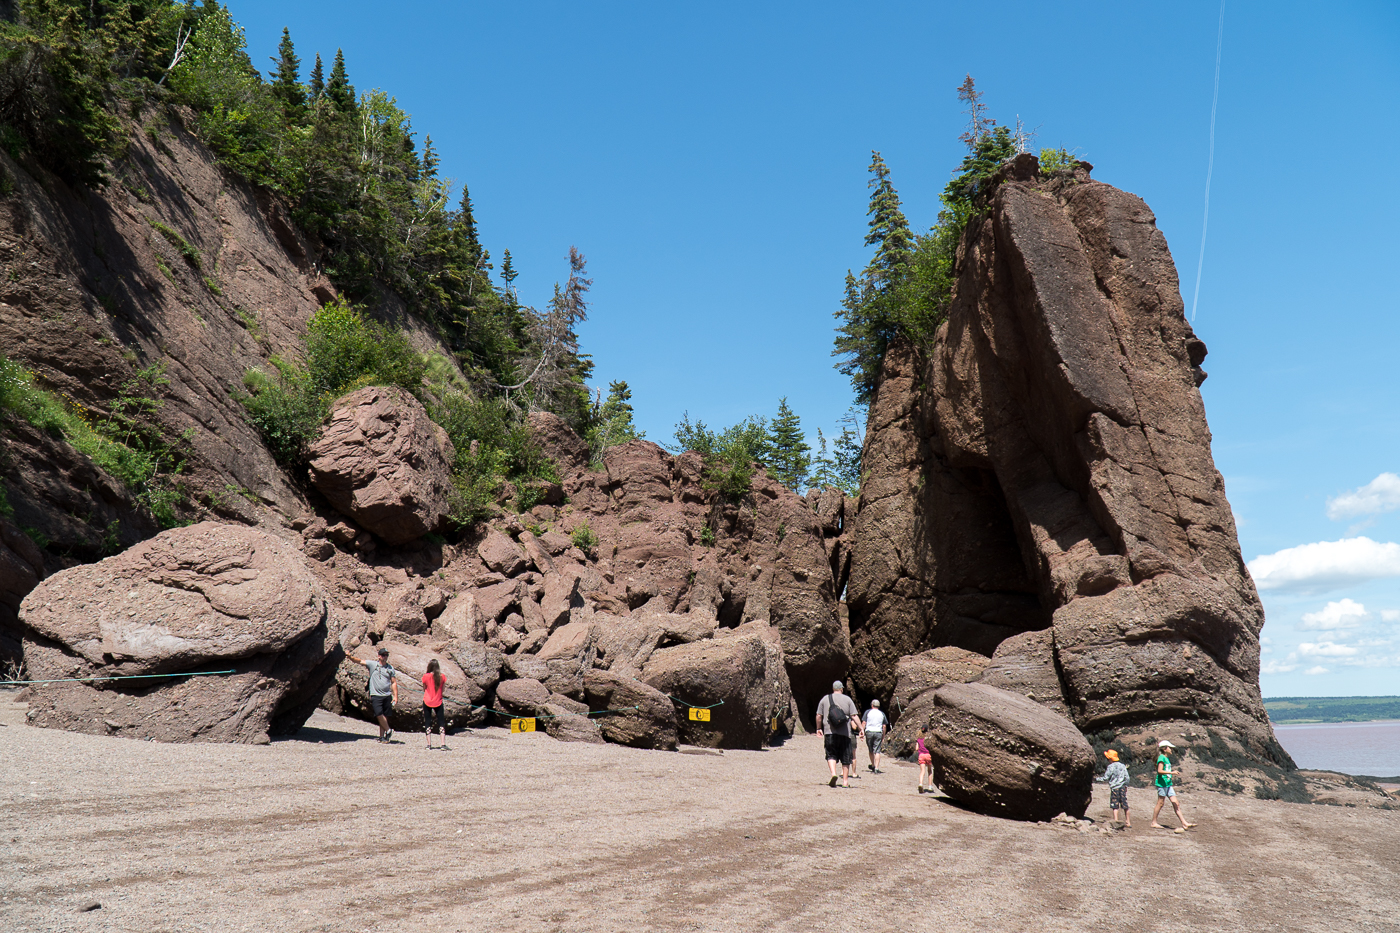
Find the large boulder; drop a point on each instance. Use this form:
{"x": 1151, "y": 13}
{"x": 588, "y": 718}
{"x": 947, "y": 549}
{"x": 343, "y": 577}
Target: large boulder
{"x": 208, "y": 597}
{"x": 462, "y": 696}
{"x": 1006, "y": 755}
{"x": 631, "y": 712}
{"x": 919, "y": 676}
{"x": 739, "y": 674}
{"x": 1043, "y": 466}
{"x": 382, "y": 461}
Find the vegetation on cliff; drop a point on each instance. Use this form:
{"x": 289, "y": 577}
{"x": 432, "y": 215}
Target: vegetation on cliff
{"x": 778, "y": 445}
{"x": 907, "y": 285}
{"x": 77, "y": 77}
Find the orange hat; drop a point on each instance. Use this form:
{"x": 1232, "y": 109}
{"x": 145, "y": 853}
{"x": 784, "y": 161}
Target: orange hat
{"x": 1111, "y": 755}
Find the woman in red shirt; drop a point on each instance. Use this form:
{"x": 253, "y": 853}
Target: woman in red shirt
{"x": 432, "y": 703}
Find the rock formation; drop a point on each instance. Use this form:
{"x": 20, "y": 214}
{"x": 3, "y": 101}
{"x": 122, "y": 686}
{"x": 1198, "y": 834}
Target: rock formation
{"x": 203, "y": 598}
{"x": 1040, "y": 486}
{"x": 1004, "y": 754}
{"x": 383, "y": 463}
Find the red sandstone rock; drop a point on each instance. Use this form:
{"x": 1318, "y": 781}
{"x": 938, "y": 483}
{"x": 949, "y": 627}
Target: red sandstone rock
{"x": 1004, "y": 754}
{"x": 382, "y": 462}
{"x": 1046, "y": 465}
{"x": 204, "y": 597}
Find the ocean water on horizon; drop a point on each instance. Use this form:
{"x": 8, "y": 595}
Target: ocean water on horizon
{"x": 1349, "y": 747}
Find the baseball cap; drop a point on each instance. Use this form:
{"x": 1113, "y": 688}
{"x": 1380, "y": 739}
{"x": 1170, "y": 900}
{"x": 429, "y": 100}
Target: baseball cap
{"x": 836, "y": 685}
{"x": 1111, "y": 755}
{"x": 874, "y": 704}
{"x": 1165, "y": 744}
{"x": 383, "y": 652}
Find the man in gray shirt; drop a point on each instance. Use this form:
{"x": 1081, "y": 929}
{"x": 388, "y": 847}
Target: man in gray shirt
{"x": 383, "y": 690}
{"x": 835, "y": 715}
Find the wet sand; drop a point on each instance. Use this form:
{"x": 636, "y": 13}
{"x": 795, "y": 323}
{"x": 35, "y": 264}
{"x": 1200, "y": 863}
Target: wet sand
{"x": 332, "y": 831}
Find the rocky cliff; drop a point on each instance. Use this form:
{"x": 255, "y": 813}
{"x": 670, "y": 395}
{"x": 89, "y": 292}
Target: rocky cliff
{"x": 1040, "y": 487}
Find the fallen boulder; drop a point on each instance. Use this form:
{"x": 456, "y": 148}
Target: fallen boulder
{"x": 208, "y": 597}
{"x": 1007, "y": 755}
{"x": 738, "y": 675}
{"x": 918, "y": 676}
{"x": 636, "y": 714}
{"x": 382, "y": 461}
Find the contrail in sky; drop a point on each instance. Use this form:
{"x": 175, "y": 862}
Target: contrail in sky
{"x": 1210, "y": 163}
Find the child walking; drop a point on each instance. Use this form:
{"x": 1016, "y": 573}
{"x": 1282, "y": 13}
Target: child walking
{"x": 1165, "y": 791}
{"x": 925, "y": 761}
{"x": 1117, "y": 779}
{"x": 432, "y": 703}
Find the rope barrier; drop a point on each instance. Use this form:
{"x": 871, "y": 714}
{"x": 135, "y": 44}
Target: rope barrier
{"x": 77, "y": 680}
{"x": 691, "y": 705}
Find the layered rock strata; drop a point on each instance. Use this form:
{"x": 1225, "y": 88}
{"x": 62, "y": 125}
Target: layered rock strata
{"x": 1006, "y": 755}
{"x": 1040, "y": 486}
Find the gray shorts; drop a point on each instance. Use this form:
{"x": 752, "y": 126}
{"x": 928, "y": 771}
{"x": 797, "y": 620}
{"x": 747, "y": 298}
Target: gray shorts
{"x": 873, "y": 741}
{"x": 1166, "y": 792}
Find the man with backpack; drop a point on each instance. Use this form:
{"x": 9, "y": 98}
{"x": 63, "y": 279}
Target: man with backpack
{"x": 835, "y": 714}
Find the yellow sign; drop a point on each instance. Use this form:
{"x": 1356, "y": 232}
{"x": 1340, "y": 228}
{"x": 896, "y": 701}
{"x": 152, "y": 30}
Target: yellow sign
{"x": 522, "y": 725}
{"x": 699, "y": 715}
{"x": 775, "y": 725}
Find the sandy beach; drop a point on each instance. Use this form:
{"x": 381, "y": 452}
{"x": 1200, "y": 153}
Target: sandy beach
{"x": 332, "y": 831}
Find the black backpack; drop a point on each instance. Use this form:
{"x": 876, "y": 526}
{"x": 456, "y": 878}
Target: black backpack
{"x": 835, "y": 715}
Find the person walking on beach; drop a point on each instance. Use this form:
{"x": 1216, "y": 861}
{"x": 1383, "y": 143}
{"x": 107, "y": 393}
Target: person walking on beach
{"x": 874, "y": 734}
{"x": 835, "y": 713}
{"x": 925, "y": 760}
{"x": 1165, "y": 790}
{"x": 383, "y": 691}
{"x": 432, "y": 703}
{"x": 1117, "y": 779}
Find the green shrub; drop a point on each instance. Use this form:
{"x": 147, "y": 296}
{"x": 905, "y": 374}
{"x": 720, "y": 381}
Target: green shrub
{"x": 344, "y": 351}
{"x": 505, "y": 451}
{"x": 584, "y": 538}
{"x": 729, "y": 455}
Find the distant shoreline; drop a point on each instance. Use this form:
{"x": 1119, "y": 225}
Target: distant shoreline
{"x": 1321, "y": 710}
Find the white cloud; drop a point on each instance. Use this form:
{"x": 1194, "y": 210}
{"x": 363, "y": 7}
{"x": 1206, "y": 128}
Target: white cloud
{"x": 1279, "y": 667}
{"x": 1390, "y": 615}
{"x": 1316, "y": 670}
{"x": 1326, "y": 564}
{"x": 1325, "y": 649}
{"x": 1343, "y": 614}
{"x": 1381, "y": 494}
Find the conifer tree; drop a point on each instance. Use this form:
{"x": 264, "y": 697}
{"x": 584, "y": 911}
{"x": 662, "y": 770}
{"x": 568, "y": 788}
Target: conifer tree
{"x": 787, "y": 454}
{"x": 509, "y": 275}
{"x": 430, "y": 159}
{"x": 467, "y": 222}
{"x": 978, "y": 123}
{"x": 868, "y": 312}
{"x": 318, "y": 80}
{"x": 889, "y": 230}
{"x": 339, "y": 90}
{"x": 286, "y": 79}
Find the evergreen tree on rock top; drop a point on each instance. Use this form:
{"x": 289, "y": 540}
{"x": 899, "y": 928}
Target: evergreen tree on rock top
{"x": 286, "y": 79}
{"x": 788, "y": 456}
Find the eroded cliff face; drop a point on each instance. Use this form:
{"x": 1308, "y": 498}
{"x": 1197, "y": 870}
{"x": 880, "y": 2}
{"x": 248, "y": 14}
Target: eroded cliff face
{"x": 94, "y": 291}
{"x": 1040, "y": 483}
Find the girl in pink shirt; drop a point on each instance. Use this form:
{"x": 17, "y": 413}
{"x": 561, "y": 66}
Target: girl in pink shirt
{"x": 925, "y": 761}
{"x": 432, "y": 703}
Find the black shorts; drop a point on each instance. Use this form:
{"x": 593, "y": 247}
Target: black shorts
{"x": 839, "y": 748}
{"x": 1118, "y": 798}
{"x": 381, "y": 706}
{"x": 428, "y": 714}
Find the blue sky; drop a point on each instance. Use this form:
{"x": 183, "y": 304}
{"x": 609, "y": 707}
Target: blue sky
{"x": 709, "y": 160}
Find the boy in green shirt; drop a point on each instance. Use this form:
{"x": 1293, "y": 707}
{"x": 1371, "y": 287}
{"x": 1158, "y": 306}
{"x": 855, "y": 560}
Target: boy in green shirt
{"x": 1165, "y": 791}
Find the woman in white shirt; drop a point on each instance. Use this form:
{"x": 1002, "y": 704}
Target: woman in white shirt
{"x": 875, "y": 723}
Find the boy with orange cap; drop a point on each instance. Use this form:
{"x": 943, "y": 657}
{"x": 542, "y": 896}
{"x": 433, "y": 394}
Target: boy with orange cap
{"x": 1117, "y": 779}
